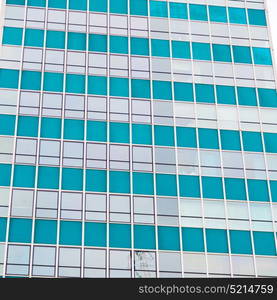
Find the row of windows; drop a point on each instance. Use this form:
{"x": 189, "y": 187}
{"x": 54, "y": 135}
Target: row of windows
{"x": 175, "y": 10}
{"x": 139, "y": 46}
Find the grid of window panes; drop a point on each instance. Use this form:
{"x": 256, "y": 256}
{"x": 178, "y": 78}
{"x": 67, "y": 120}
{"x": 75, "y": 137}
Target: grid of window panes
{"x": 138, "y": 138}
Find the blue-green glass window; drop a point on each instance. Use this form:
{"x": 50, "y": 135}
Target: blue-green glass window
{"x": 204, "y": 93}
{"x": 256, "y": 17}
{"x": 5, "y": 174}
{"x": 51, "y": 128}
{"x": 27, "y": 126}
{"x": 57, "y": 3}
{"x": 247, "y": 96}
{"x": 217, "y": 240}
{"x": 20, "y": 230}
{"x": 7, "y": 124}
{"x": 201, "y": 51}
{"x": 162, "y": 90}
{"x": 48, "y": 177}
{"x": 97, "y": 131}
{"x": 140, "y": 88}
{"x": 225, "y": 94}
{"x": 73, "y": 129}
{"x": 193, "y": 239}
{"x": 168, "y": 238}
{"x": 119, "y": 87}
{"x": 3, "y": 229}
{"x": 120, "y": 235}
{"x": 96, "y": 5}
{"x": 39, "y": 3}
{"x": 139, "y": 7}
{"x": 273, "y": 189}
{"x": 97, "y": 85}
{"x": 186, "y": 137}
{"x": 144, "y": 237}
{"x": 142, "y": 134}
{"x": 217, "y": 13}
{"x": 237, "y": 15}
{"x": 17, "y": 2}
{"x": 257, "y": 190}
{"x": 95, "y": 234}
{"x": 143, "y": 183}
{"x": 252, "y": 141}
{"x": 12, "y": 35}
{"x": 178, "y": 10}
{"x": 160, "y": 47}
{"x": 222, "y": 53}
{"x": 119, "y": 182}
{"x": 230, "y": 140}
{"x": 189, "y": 186}
{"x": 70, "y": 233}
{"x": 34, "y": 37}
{"x": 240, "y": 242}
{"x": 262, "y": 56}
{"x": 9, "y": 78}
{"x": 164, "y": 135}
{"x": 158, "y": 9}
{"x": 139, "y": 46}
{"x": 76, "y": 41}
{"x": 264, "y": 243}
{"x": 242, "y": 54}
{"x": 267, "y": 97}
{"x": 270, "y": 140}
{"x": 198, "y": 12}
{"x": 235, "y": 189}
{"x": 96, "y": 180}
{"x": 119, "y": 132}
{"x": 55, "y": 39}
{"x": 72, "y": 179}
{"x": 46, "y": 231}
{"x": 75, "y": 83}
{"x": 166, "y": 185}
{"x": 31, "y": 80}
{"x": 98, "y": 42}
{"x": 183, "y": 91}
{"x": 118, "y": 44}
{"x": 208, "y": 138}
{"x": 212, "y": 187}
{"x": 119, "y": 6}
{"x": 78, "y": 4}
{"x": 181, "y": 49}
{"x": 53, "y": 82}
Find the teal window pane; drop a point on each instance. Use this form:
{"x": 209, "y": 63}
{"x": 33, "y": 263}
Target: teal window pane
{"x": 198, "y": 12}
{"x": 34, "y": 37}
{"x": 262, "y": 56}
{"x": 204, "y": 93}
{"x": 17, "y": 2}
{"x": 256, "y": 17}
{"x": 226, "y": 94}
{"x": 273, "y": 189}
{"x": 230, "y": 140}
{"x": 97, "y": 85}
{"x": 12, "y": 36}
{"x": 95, "y": 234}
{"x": 31, "y": 80}
{"x": 98, "y": 42}
{"x": 242, "y": 54}
{"x": 264, "y": 243}
{"x": 119, "y": 182}
{"x": 143, "y": 183}
{"x": 45, "y": 231}
{"x": 39, "y": 3}
{"x": 193, "y": 239}
{"x": 270, "y": 140}
{"x": 9, "y": 78}
{"x": 217, "y": 13}
{"x": 186, "y": 137}
{"x": 72, "y": 179}
{"x": 7, "y": 124}
{"x": 201, "y": 51}
{"x": 75, "y": 83}
{"x": 119, "y": 6}
{"x": 237, "y": 15}
{"x": 70, "y": 233}
{"x": 48, "y": 177}
{"x": 5, "y": 174}
{"x": 57, "y": 3}
{"x": 208, "y": 138}
{"x": 164, "y": 135}
{"x": 252, "y": 141}
{"x": 216, "y": 240}
{"x": 97, "y": 131}
{"x": 158, "y": 9}
{"x": 162, "y": 90}
{"x": 78, "y": 4}
{"x": 235, "y": 189}
{"x": 24, "y": 176}
{"x": 168, "y": 238}
{"x": 247, "y": 96}
{"x": 3, "y": 229}
{"x": 166, "y": 185}
{"x": 96, "y": 180}
{"x": 20, "y": 230}
{"x": 27, "y": 126}
{"x": 140, "y": 88}
{"x": 221, "y": 52}
{"x": 120, "y": 236}
{"x": 141, "y": 134}
{"x": 189, "y": 186}
{"x": 257, "y": 190}
{"x": 53, "y": 82}
{"x": 119, "y": 87}
{"x": 178, "y": 10}
{"x": 73, "y": 129}
{"x": 183, "y": 91}
{"x": 160, "y": 48}
{"x": 181, "y": 49}
{"x": 139, "y": 7}
{"x": 240, "y": 242}
{"x": 267, "y": 97}
{"x": 212, "y": 187}
{"x": 51, "y": 128}
{"x": 144, "y": 237}
{"x": 119, "y": 132}
{"x": 118, "y": 44}
{"x": 76, "y": 41}
{"x": 139, "y": 46}
{"x": 96, "y": 5}
{"x": 55, "y": 39}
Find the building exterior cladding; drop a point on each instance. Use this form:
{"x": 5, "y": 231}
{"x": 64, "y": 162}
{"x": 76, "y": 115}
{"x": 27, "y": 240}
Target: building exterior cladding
{"x": 137, "y": 139}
